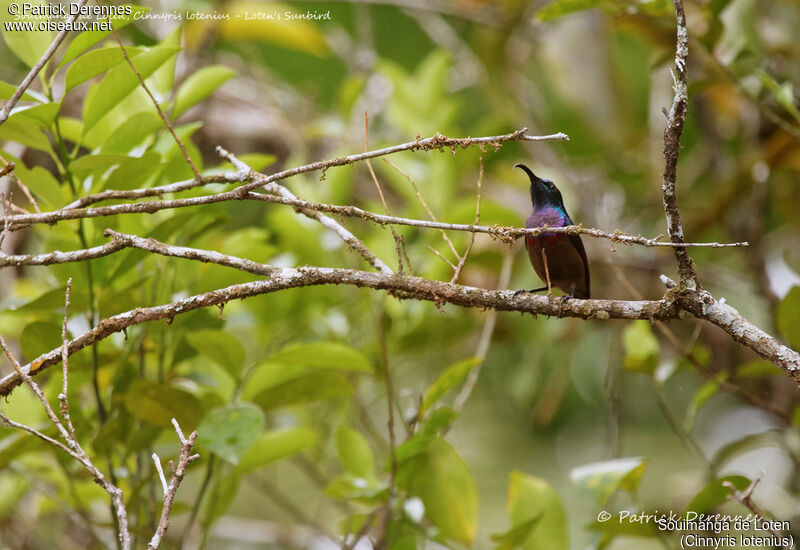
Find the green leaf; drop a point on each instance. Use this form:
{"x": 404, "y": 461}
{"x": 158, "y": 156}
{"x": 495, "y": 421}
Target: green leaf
{"x": 251, "y": 243}
{"x": 353, "y": 524}
{"x": 788, "y": 314}
{"x": 223, "y": 492}
{"x": 40, "y": 337}
{"x": 132, "y": 132}
{"x": 258, "y": 161}
{"x": 768, "y": 438}
{"x": 603, "y": 479}
{"x": 7, "y": 90}
{"x": 453, "y": 376}
{"x": 158, "y": 404}
{"x": 439, "y": 477}
{"x": 54, "y": 300}
{"x": 706, "y": 392}
{"x": 13, "y": 487}
{"x": 28, "y": 46}
{"x": 199, "y": 86}
{"x": 97, "y": 164}
{"x": 176, "y": 168}
{"x": 221, "y": 347}
{"x": 560, "y": 8}
{"x": 15, "y": 445}
{"x": 87, "y": 39}
{"x": 758, "y": 368}
{"x": 715, "y": 494}
{"x": 163, "y": 79}
{"x": 25, "y": 134}
{"x": 355, "y": 453}
{"x": 411, "y": 447}
{"x": 304, "y": 389}
{"x": 120, "y": 82}
{"x": 71, "y": 128}
{"x": 41, "y": 116}
{"x": 437, "y": 421}
{"x": 323, "y": 355}
{"x": 96, "y": 62}
{"x": 275, "y": 445}
{"x": 641, "y": 347}
{"x": 531, "y": 499}
{"x": 783, "y": 93}
{"x": 44, "y": 186}
{"x": 349, "y": 487}
{"x": 615, "y": 528}
{"x": 134, "y": 172}
{"x": 267, "y": 375}
{"x": 516, "y": 536}
{"x": 229, "y": 431}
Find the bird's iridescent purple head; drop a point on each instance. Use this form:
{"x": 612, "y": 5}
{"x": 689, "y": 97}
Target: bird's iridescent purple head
{"x": 543, "y": 192}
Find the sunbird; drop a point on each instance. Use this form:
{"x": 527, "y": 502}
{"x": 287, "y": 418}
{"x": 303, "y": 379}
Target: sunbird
{"x": 559, "y": 259}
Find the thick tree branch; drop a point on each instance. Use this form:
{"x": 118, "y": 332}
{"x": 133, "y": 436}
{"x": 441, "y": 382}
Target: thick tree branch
{"x": 404, "y": 287}
{"x": 699, "y": 303}
{"x": 718, "y": 312}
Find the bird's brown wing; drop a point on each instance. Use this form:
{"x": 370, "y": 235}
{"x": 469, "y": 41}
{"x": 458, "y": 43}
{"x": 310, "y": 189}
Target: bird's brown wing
{"x": 578, "y": 244}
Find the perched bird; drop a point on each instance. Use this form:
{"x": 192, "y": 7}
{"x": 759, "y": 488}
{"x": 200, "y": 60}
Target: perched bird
{"x": 559, "y": 259}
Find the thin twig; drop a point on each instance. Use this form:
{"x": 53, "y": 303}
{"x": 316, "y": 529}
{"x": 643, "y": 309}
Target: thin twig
{"x": 186, "y": 457}
{"x": 745, "y": 498}
{"x": 160, "y": 470}
{"x": 72, "y": 447}
{"x": 672, "y": 145}
{"x": 8, "y": 170}
{"x": 6, "y": 110}
{"x": 462, "y": 260}
{"x": 279, "y": 190}
{"x": 153, "y": 99}
{"x": 160, "y": 191}
{"x": 400, "y": 245}
{"x": 285, "y": 197}
{"x": 485, "y": 339}
{"x": 440, "y": 255}
{"x": 255, "y": 180}
{"x": 424, "y": 204}
{"x": 63, "y": 397}
{"x": 25, "y": 377}
{"x": 381, "y": 536}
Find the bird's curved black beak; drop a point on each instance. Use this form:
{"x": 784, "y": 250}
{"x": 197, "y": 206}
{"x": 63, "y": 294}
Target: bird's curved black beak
{"x": 537, "y": 187}
{"x": 533, "y": 177}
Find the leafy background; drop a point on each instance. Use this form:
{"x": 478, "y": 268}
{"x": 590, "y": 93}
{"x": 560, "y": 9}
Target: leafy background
{"x": 568, "y": 418}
